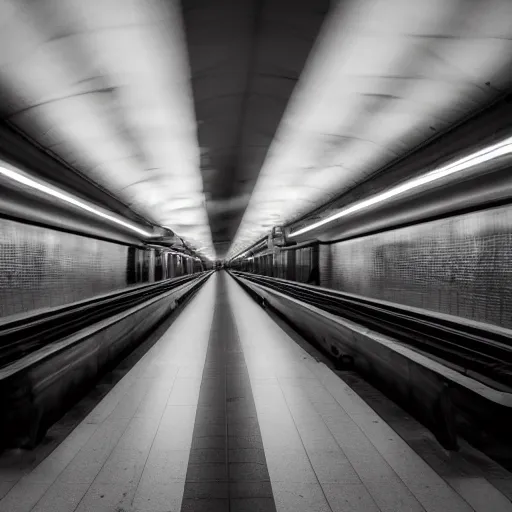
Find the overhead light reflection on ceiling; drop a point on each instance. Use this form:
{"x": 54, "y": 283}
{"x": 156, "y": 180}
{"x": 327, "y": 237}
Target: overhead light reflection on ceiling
{"x": 484, "y": 155}
{"x": 367, "y": 95}
{"x": 20, "y": 178}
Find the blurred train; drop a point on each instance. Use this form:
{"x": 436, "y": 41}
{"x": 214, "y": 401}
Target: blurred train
{"x": 273, "y": 257}
{"x": 298, "y": 264}
{"x": 149, "y": 264}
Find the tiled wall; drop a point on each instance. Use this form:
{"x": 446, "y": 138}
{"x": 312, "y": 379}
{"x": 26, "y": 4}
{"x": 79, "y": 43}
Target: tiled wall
{"x": 40, "y": 267}
{"x": 460, "y": 266}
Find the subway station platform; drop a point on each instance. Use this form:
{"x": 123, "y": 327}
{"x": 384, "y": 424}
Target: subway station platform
{"x": 226, "y": 412}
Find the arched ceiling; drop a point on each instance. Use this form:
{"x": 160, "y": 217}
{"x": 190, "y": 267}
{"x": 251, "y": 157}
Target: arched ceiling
{"x": 384, "y": 76}
{"x": 104, "y": 85}
{"x": 246, "y": 57}
{"x": 222, "y": 118}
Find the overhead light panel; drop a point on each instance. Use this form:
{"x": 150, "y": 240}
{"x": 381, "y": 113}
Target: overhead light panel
{"x": 20, "y": 178}
{"x": 479, "y": 157}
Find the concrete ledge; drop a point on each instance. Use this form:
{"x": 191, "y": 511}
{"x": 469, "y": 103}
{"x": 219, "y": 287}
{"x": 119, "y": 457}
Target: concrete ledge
{"x": 481, "y": 413}
{"x": 36, "y": 390}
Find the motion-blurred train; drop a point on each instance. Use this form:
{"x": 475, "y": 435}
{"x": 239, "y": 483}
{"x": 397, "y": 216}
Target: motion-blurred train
{"x": 164, "y": 257}
{"x": 274, "y": 257}
{"x": 155, "y": 264}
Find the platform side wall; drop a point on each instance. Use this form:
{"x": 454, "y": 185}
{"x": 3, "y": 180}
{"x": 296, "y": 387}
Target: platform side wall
{"x": 460, "y": 265}
{"x": 41, "y": 267}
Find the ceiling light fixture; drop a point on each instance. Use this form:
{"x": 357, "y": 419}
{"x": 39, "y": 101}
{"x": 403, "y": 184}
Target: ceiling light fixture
{"x": 20, "y": 178}
{"x": 484, "y": 155}
{"x": 241, "y": 255}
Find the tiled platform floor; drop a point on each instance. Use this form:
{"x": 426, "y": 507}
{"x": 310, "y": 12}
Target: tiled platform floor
{"x": 297, "y": 427}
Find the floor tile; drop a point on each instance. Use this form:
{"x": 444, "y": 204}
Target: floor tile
{"x": 247, "y": 455}
{"x": 51, "y": 467}
{"x": 426, "y": 485}
{"x": 207, "y": 505}
{"x": 201, "y": 430}
{"x": 333, "y": 467}
{"x": 48, "y": 471}
{"x": 391, "y": 495}
{"x": 292, "y": 467}
{"x": 252, "y": 505}
{"x": 349, "y": 498}
{"x": 128, "y": 405}
{"x": 169, "y": 438}
{"x": 206, "y": 490}
{"x": 207, "y": 472}
{"x": 122, "y": 467}
{"x": 278, "y": 421}
{"x": 166, "y": 466}
{"x": 303, "y": 413}
{"x": 82, "y": 470}
{"x": 153, "y": 405}
{"x": 209, "y": 442}
{"x": 157, "y": 497}
{"x": 262, "y": 489}
{"x": 316, "y": 437}
{"x": 244, "y": 429}
{"x": 61, "y": 497}
{"x": 106, "y": 498}
{"x": 139, "y": 435}
{"x": 90, "y": 459}
{"x": 283, "y": 439}
{"x": 241, "y": 442}
{"x": 247, "y": 472}
{"x": 23, "y": 496}
{"x": 481, "y": 495}
{"x": 209, "y": 415}
{"x": 217, "y": 398}
{"x": 192, "y": 370}
{"x": 203, "y": 455}
{"x": 299, "y": 497}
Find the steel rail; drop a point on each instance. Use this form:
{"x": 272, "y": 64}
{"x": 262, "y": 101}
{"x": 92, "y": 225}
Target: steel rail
{"x": 465, "y": 347}
{"x": 23, "y": 336}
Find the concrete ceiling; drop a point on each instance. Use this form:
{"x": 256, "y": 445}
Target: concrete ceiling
{"x": 246, "y": 57}
{"x": 223, "y": 118}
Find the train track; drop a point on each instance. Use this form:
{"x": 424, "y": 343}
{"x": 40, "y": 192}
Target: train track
{"x": 486, "y": 354}
{"x": 21, "y": 337}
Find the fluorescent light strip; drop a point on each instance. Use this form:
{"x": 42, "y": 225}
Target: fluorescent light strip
{"x": 484, "y": 155}
{"x": 247, "y": 251}
{"x": 20, "y": 178}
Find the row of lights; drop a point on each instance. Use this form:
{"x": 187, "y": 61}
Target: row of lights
{"x": 479, "y": 157}
{"x": 25, "y": 180}
{"x": 485, "y": 155}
